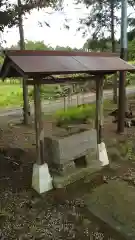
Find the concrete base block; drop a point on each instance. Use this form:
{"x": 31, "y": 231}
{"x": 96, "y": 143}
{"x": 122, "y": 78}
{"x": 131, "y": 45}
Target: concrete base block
{"x": 41, "y": 178}
{"x": 102, "y": 153}
{"x": 92, "y": 156}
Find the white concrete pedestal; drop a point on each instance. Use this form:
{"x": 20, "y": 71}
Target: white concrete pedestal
{"x": 41, "y": 178}
{"x": 102, "y": 154}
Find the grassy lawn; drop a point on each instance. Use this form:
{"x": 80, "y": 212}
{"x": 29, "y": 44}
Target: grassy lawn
{"x": 11, "y": 94}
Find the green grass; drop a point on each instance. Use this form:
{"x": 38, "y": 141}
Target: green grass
{"x": 48, "y": 91}
{"x": 10, "y": 95}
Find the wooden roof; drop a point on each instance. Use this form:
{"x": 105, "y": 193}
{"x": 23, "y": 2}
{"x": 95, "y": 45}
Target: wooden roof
{"x": 35, "y": 64}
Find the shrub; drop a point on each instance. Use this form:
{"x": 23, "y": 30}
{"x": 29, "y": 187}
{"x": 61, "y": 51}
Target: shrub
{"x": 80, "y": 114}
{"x": 75, "y": 115}
{"x": 47, "y": 92}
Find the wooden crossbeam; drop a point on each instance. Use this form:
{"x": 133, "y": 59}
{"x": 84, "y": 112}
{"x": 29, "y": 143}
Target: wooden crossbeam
{"x": 61, "y": 80}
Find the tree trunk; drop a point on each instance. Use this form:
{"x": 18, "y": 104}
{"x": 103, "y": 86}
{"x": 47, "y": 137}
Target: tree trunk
{"x": 113, "y": 51}
{"x": 123, "y": 101}
{"x": 26, "y": 107}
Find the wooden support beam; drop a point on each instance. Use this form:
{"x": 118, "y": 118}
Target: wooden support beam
{"x": 6, "y": 71}
{"x": 69, "y": 80}
{"x": 13, "y": 65}
{"x": 26, "y": 105}
{"x": 121, "y": 103}
{"x": 38, "y": 125}
{"x": 99, "y": 109}
{"x": 115, "y": 86}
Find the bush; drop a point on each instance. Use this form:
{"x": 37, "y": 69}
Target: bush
{"x": 130, "y": 77}
{"x": 75, "y": 115}
{"x": 80, "y": 114}
{"x": 47, "y": 92}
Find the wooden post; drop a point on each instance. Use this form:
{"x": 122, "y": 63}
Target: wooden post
{"x": 115, "y": 86}
{"x": 99, "y": 109}
{"x": 121, "y": 103}
{"x": 38, "y": 125}
{"x": 26, "y": 106}
{"x": 65, "y": 106}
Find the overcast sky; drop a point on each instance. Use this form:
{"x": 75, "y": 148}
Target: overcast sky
{"x": 56, "y": 34}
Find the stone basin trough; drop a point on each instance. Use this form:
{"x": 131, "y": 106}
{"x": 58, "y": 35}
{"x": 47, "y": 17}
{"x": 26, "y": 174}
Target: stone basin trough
{"x": 70, "y": 157}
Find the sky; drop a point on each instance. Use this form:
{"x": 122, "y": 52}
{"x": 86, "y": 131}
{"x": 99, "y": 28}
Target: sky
{"x": 56, "y": 34}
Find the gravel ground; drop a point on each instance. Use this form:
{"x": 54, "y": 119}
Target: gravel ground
{"x": 26, "y": 218}
{"x": 60, "y": 214}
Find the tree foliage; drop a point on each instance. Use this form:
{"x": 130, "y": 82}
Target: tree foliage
{"x": 104, "y": 44}
{"x": 9, "y": 12}
{"x": 37, "y": 45}
{"x": 99, "y": 18}
{"x": 131, "y": 50}
{"x": 96, "y": 45}
{"x": 67, "y": 48}
{"x": 6, "y": 14}
{"x": 40, "y": 45}
{"x": 99, "y": 21}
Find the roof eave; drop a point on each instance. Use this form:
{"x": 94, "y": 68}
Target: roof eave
{"x": 6, "y": 68}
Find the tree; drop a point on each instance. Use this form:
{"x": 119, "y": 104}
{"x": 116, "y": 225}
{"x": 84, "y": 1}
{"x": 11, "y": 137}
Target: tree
{"x": 37, "y": 45}
{"x": 40, "y": 45}
{"x": 99, "y": 20}
{"x": 6, "y": 15}
{"x": 131, "y": 39}
{"x": 97, "y": 45}
{"x": 131, "y": 33}
{"x": 33, "y": 45}
{"x": 28, "y": 5}
{"x": 102, "y": 18}
{"x": 61, "y": 48}
{"x": 26, "y": 107}
{"x": 131, "y": 50}
{"x": 13, "y": 16}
